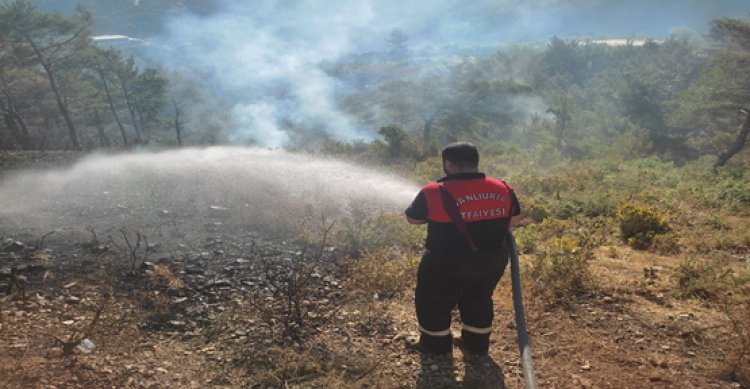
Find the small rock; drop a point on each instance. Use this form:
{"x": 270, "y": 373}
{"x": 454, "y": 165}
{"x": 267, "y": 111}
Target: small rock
{"x": 14, "y": 245}
{"x": 86, "y": 346}
{"x": 586, "y": 367}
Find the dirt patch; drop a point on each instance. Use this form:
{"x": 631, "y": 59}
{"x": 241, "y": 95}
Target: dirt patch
{"x": 226, "y": 306}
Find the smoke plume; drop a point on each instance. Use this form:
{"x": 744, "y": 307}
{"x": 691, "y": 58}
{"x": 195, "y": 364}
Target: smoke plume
{"x": 264, "y": 57}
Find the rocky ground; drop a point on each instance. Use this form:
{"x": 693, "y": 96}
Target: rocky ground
{"x": 226, "y": 306}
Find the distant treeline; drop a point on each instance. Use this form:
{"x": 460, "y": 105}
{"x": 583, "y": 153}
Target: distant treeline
{"x": 678, "y": 98}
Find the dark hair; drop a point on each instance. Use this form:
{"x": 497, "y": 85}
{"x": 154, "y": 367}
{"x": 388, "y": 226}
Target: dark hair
{"x": 462, "y": 154}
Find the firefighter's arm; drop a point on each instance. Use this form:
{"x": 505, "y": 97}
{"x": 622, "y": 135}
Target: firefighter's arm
{"x": 515, "y": 216}
{"x": 417, "y": 211}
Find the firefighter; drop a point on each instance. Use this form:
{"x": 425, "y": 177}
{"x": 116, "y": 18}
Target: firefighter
{"x": 465, "y": 252}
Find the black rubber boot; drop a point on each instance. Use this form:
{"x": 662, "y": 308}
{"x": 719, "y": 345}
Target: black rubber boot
{"x": 433, "y": 344}
{"x": 478, "y": 344}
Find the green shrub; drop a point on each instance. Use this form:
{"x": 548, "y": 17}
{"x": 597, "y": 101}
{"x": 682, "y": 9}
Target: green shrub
{"x": 734, "y": 195}
{"x": 703, "y": 279}
{"x": 386, "y": 273}
{"x": 666, "y": 243}
{"x": 723, "y": 191}
{"x": 555, "y": 228}
{"x": 536, "y": 210}
{"x": 561, "y": 269}
{"x": 566, "y": 209}
{"x": 639, "y": 225}
{"x": 527, "y": 238}
{"x": 362, "y": 231}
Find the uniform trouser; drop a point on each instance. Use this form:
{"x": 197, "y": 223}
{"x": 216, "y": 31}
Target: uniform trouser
{"x": 469, "y": 282}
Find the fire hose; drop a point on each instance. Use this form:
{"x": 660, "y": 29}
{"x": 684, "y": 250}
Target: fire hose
{"x": 527, "y": 363}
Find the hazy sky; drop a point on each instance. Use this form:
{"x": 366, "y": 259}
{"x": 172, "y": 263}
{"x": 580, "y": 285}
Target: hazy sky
{"x": 485, "y": 22}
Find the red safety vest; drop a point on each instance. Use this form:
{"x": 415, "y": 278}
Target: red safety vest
{"x": 477, "y": 199}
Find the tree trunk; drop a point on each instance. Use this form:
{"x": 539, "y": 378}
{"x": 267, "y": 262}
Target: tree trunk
{"x": 103, "y": 141}
{"x": 22, "y": 122}
{"x": 26, "y": 140}
{"x": 177, "y": 124}
{"x": 72, "y": 133}
{"x": 112, "y": 106}
{"x": 47, "y": 65}
{"x": 427, "y": 129}
{"x": 140, "y": 121}
{"x": 15, "y": 122}
{"x": 11, "y": 124}
{"x": 132, "y": 110}
{"x": 738, "y": 144}
{"x": 17, "y": 128}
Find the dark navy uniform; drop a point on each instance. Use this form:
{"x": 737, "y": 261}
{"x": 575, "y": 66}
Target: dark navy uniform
{"x": 450, "y": 273}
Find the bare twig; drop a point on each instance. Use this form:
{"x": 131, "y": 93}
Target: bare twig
{"x": 40, "y": 243}
{"x": 133, "y": 249}
{"x": 78, "y": 335}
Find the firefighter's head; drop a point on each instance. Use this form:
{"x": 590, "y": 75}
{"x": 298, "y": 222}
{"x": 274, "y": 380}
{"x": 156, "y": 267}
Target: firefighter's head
{"x": 460, "y": 157}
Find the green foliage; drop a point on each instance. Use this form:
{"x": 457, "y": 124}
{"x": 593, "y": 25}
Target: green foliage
{"x": 726, "y": 189}
{"x": 733, "y": 195}
{"x": 666, "y": 244}
{"x": 362, "y": 231}
{"x": 640, "y": 225}
{"x": 562, "y": 250}
{"x": 537, "y": 210}
{"x": 430, "y": 169}
{"x": 527, "y": 238}
{"x": 50, "y": 63}
{"x": 399, "y": 144}
{"x": 560, "y": 269}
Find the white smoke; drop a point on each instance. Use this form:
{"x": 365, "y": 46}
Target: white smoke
{"x": 263, "y": 58}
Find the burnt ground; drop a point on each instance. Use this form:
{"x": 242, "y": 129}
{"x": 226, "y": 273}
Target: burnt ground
{"x": 219, "y": 307}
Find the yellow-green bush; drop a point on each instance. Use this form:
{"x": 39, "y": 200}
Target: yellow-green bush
{"x": 536, "y": 210}
{"x": 560, "y": 269}
{"x": 384, "y": 272}
{"x": 527, "y": 238}
{"x": 639, "y": 226}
